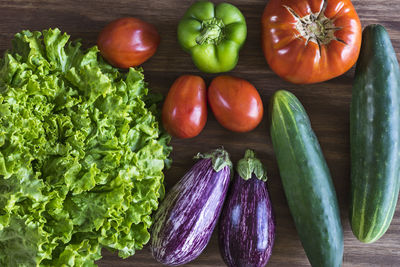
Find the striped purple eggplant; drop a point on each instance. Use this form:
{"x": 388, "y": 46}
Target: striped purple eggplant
{"x": 246, "y": 227}
{"x": 187, "y": 217}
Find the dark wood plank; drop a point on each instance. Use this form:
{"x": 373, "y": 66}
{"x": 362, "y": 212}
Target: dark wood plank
{"x": 327, "y": 104}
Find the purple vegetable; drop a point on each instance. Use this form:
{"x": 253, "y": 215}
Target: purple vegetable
{"x": 246, "y": 227}
{"x": 186, "y": 218}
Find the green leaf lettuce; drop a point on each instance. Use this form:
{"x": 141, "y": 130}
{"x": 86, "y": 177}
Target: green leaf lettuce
{"x": 81, "y": 154}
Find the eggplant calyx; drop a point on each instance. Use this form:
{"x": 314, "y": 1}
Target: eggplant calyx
{"x": 219, "y": 158}
{"x": 249, "y": 165}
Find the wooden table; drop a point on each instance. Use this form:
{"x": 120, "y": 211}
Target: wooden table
{"x": 327, "y": 105}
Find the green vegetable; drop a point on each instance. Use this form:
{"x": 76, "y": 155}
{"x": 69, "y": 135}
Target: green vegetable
{"x": 213, "y": 35}
{"x": 306, "y": 181}
{"x": 375, "y": 136}
{"x": 81, "y": 156}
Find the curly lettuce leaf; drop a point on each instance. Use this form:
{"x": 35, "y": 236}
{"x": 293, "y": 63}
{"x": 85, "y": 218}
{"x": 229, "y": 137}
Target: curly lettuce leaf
{"x": 81, "y": 154}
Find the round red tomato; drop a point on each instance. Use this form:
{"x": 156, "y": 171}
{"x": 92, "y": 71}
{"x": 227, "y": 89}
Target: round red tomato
{"x": 235, "y": 103}
{"x": 184, "y": 113}
{"x": 309, "y": 41}
{"x": 128, "y": 42}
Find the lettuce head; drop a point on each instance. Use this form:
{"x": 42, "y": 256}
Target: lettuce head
{"x": 81, "y": 154}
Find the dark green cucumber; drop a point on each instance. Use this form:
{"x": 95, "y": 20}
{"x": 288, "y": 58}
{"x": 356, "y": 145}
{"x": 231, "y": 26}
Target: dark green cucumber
{"x": 306, "y": 181}
{"x": 375, "y": 136}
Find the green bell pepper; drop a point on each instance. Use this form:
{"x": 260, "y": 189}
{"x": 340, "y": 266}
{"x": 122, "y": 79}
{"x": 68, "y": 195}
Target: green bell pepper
{"x": 213, "y": 35}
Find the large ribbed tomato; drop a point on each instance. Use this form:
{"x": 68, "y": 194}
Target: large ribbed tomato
{"x": 309, "y": 41}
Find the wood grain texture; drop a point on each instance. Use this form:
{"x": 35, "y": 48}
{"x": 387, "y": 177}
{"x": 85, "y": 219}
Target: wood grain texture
{"x": 327, "y": 105}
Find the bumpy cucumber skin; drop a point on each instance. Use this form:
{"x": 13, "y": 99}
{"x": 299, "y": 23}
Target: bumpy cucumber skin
{"x": 306, "y": 181}
{"x": 375, "y": 136}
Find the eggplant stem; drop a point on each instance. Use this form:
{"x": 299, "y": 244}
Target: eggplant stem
{"x": 250, "y": 165}
{"x": 219, "y": 158}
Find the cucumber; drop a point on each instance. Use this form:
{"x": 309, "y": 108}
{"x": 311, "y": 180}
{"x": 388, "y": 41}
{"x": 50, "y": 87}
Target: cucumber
{"x": 306, "y": 181}
{"x": 374, "y": 136}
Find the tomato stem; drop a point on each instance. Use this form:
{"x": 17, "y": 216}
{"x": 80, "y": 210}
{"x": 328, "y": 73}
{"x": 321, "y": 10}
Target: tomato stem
{"x": 316, "y": 27}
{"x": 212, "y": 32}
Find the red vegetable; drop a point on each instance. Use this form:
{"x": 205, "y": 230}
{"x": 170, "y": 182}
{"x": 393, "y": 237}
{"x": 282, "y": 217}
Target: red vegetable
{"x": 184, "y": 113}
{"x": 235, "y": 103}
{"x": 310, "y": 41}
{"x": 128, "y": 42}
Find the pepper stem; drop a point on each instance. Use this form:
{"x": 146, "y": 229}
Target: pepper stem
{"x": 211, "y": 32}
{"x": 219, "y": 158}
{"x": 249, "y": 165}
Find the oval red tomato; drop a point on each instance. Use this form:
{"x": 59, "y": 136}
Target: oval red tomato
{"x": 184, "y": 112}
{"x": 235, "y": 103}
{"x": 128, "y": 42}
{"x": 309, "y": 41}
